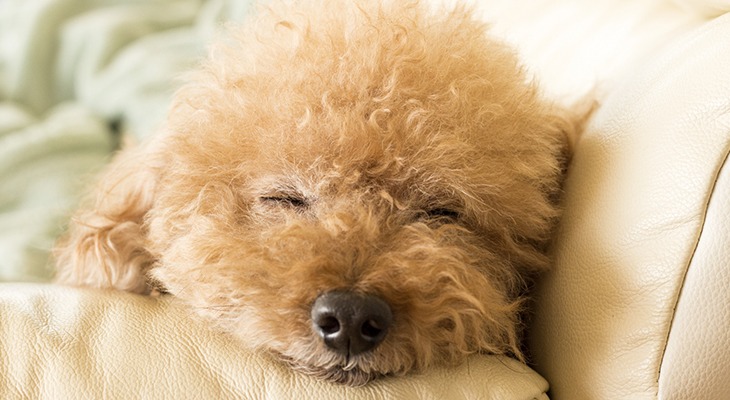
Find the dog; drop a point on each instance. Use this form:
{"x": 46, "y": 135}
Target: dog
{"x": 360, "y": 188}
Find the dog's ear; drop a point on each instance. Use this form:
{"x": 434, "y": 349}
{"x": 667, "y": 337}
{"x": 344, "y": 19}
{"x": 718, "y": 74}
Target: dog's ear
{"x": 579, "y": 116}
{"x": 105, "y": 245}
{"x": 569, "y": 122}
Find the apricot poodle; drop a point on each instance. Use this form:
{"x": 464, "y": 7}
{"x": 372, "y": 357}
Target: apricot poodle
{"x": 360, "y": 188}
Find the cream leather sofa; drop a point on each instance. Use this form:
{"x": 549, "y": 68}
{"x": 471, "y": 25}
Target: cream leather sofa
{"x": 637, "y": 306}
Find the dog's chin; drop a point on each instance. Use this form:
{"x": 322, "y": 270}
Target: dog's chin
{"x": 345, "y": 375}
{"x": 352, "y": 377}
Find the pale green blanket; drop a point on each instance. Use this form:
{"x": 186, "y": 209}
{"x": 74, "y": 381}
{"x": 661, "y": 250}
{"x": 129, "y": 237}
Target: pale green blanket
{"x": 73, "y": 74}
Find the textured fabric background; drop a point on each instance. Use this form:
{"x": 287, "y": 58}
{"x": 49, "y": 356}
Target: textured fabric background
{"x": 73, "y": 74}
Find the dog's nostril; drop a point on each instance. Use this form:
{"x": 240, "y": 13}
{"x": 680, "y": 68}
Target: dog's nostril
{"x": 329, "y": 325}
{"x": 370, "y": 329}
{"x": 350, "y": 323}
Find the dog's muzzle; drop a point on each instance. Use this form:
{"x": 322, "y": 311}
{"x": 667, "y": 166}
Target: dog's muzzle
{"x": 351, "y": 323}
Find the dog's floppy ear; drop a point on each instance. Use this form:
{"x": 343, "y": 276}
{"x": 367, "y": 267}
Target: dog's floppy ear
{"x": 105, "y": 245}
{"x": 571, "y": 121}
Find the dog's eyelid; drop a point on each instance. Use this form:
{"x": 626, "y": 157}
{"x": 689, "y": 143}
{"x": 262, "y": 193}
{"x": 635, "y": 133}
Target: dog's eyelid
{"x": 290, "y": 200}
{"x": 443, "y": 205}
{"x": 443, "y": 212}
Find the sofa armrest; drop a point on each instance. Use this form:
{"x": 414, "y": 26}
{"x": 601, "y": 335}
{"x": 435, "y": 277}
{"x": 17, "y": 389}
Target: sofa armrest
{"x": 62, "y": 343}
{"x": 636, "y": 305}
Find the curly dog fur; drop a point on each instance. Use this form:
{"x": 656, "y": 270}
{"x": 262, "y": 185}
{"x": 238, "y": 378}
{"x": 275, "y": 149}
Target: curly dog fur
{"x": 379, "y": 148}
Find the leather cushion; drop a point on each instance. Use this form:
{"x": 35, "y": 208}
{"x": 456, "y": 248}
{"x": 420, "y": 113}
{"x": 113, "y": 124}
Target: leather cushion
{"x": 635, "y": 207}
{"x": 696, "y": 362}
{"x": 63, "y": 343}
{"x": 708, "y": 8}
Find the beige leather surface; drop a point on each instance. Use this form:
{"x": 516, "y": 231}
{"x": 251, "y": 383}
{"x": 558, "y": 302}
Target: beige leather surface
{"x": 696, "y": 363}
{"x": 576, "y": 46}
{"x": 65, "y": 343}
{"x": 708, "y": 8}
{"x": 636, "y": 204}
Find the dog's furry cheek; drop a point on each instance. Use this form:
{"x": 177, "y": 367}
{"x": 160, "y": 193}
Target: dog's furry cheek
{"x": 450, "y": 300}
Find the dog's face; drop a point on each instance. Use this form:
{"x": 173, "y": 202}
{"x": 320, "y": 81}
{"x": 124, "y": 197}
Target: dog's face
{"x": 358, "y": 192}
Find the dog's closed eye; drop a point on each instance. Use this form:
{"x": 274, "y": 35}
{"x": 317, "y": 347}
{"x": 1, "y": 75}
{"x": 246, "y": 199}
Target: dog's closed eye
{"x": 285, "y": 200}
{"x": 442, "y": 213}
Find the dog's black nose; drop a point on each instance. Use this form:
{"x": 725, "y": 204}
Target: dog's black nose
{"x": 351, "y": 323}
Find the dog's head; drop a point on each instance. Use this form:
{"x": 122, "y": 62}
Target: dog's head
{"x": 359, "y": 190}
